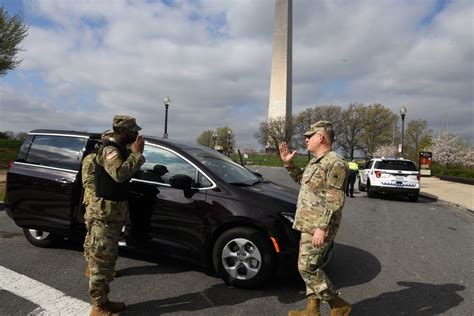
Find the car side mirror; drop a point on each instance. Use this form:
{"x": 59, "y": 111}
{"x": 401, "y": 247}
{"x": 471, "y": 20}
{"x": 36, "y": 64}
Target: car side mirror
{"x": 183, "y": 182}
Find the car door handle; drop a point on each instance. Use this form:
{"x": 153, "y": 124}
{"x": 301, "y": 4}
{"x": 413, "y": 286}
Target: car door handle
{"x": 63, "y": 181}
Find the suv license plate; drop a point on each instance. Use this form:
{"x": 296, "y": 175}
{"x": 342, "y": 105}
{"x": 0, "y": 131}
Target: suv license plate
{"x": 399, "y": 178}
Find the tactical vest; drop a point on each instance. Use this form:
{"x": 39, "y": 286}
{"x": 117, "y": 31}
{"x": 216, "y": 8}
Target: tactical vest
{"x": 105, "y": 186}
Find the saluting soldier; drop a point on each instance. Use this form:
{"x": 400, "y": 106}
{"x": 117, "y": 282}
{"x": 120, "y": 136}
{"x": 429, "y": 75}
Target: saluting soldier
{"x": 318, "y": 214}
{"x": 114, "y": 167}
{"x": 88, "y": 183}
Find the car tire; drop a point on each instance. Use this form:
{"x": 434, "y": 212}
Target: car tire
{"x": 361, "y": 186}
{"x": 413, "y": 198}
{"x": 39, "y": 238}
{"x": 370, "y": 191}
{"x": 244, "y": 257}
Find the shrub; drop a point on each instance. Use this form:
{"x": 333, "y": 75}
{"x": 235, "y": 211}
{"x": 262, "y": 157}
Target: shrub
{"x": 453, "y": 171}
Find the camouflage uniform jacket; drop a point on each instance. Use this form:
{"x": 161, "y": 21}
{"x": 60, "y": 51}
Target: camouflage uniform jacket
{"x": 321, "y": 196}
{"x": 88, "y": 180}
{"x": 120, "y": 170}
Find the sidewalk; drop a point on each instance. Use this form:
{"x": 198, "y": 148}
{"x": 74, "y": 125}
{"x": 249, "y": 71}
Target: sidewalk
{"x": 453, "y": 193}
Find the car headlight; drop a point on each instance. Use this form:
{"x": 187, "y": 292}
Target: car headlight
{"x": 290, "y": 217}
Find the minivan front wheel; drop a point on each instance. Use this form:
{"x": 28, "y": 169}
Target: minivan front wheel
{"x": 244, "y": 257}
{"x": 39, "y": 238}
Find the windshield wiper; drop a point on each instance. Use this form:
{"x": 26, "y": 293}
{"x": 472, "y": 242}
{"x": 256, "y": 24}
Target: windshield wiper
{"x": 242, "y": 184}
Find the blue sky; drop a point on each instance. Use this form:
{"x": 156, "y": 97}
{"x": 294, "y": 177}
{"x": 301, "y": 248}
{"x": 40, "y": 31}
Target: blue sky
{"x": 85, "y": 61}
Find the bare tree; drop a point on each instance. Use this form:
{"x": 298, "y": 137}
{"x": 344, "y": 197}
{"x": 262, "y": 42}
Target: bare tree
{"x": 205, "y": 139}
{"x": 21, "y": 135}
{"x": 353, "y": 120}
{"x": 12, "y": 32}
{"x": 417, "y": 138}
{"x": 303, "y": 121}
{"x": 274, "y": 132}
{"x": 226, "y": 139}
{"x": 378, "y": 125}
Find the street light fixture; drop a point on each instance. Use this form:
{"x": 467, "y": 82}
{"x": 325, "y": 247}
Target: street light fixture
{"x": 228, "y": 142}
{"x": 214, "y": 138}
{"x": 167, "y": 102}
{"x": 403, "y": 113}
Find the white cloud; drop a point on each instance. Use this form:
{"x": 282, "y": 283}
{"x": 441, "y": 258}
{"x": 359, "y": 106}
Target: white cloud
{"x": 87, "y": 60}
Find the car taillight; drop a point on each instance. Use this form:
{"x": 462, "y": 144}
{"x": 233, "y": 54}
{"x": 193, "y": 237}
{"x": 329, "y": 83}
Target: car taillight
{"x": 418, "y": 176}
{"x": 378, "y": 174}
{"x": 10, "y": 164}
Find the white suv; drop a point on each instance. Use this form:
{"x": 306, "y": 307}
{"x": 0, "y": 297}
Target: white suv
{"x": 390, "y": 175}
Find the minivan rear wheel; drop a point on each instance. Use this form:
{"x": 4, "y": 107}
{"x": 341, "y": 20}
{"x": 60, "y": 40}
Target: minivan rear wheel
{"x": 39, "y": 238}
{"x": 244, "y": 257}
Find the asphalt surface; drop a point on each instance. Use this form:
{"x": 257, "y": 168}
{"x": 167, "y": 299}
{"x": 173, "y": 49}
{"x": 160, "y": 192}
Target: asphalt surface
{"x": 392, "y": 257}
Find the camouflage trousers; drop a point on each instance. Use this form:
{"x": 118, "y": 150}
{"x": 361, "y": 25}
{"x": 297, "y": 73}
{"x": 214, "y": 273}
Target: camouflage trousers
{"x": 87, "y": 240}
{"x": 310, "y": 261}
{"x": 102, "y": 254}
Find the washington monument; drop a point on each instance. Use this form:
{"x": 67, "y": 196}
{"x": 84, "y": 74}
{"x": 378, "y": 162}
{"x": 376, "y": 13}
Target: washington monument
{"x": 279, "y": 105}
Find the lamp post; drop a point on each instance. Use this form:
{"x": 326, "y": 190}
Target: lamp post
{"x": 403, "y": 113}
{"x": 167, "y": 102}
{"x": 214, "y": 138}
{"x": 228, "y": 142}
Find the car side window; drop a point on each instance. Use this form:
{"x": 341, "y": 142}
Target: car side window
{"x": 23, "y": 151}
{"x": 161, "y": 164}
{"x": 63, "y": 152}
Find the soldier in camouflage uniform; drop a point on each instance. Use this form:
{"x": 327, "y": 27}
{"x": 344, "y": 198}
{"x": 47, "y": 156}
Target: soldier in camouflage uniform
{"x": 318, "y": 214}
{"x": 114, "y": 168}
{"x": 88, "y": 183}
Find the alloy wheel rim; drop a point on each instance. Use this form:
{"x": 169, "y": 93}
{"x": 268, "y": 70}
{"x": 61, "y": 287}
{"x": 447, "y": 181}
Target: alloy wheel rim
{"x": 38, "y": 234}
{"x": 241, "y": 259}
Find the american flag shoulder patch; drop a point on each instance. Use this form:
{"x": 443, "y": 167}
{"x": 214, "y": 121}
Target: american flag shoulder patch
{"x": 112, "y": 154}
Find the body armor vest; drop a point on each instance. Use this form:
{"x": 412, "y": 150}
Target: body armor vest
{"x": 106, "y": 187}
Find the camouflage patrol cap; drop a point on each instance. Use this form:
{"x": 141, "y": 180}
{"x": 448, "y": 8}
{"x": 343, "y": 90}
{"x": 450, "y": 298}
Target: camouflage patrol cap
{"x": 107, "y": 134}
{"x": 127, "y": 122}
{"x": 319, "y": 126}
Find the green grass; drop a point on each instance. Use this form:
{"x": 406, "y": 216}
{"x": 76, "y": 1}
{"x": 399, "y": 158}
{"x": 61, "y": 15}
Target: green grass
{"x": 8, "y": 149}
{"x": 454, "y": 171}
{"x": 10, "y": 143}
{"x": 6, "y": 155}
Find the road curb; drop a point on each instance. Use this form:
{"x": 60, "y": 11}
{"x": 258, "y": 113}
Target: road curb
{"x": 437, "y": 199}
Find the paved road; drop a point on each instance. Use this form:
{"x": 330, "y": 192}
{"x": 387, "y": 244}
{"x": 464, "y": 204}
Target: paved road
{"x": 392, "y": 257}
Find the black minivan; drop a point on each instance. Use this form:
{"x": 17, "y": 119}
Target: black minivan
{"x": 201, "y": 205}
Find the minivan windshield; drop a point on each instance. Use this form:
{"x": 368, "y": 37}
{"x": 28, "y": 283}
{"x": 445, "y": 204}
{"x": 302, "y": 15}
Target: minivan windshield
{"x": 224, "y": 167}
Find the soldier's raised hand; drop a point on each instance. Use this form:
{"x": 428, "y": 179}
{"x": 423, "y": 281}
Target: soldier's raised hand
{"x": 285, "y": 154}
{"x": 138, "y": 145}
